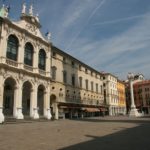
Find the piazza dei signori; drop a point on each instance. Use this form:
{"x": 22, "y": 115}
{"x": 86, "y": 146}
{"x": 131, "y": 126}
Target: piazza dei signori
{"x": 38, "y": 80}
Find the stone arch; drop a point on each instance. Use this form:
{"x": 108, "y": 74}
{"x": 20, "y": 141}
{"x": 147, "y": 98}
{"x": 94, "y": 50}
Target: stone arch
{"x": 26, "y": 97}
{"x": 41, "y": 98}
{"x": 10, "y": 85}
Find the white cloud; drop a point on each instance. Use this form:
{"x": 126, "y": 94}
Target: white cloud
{"x": 135, "y": 38}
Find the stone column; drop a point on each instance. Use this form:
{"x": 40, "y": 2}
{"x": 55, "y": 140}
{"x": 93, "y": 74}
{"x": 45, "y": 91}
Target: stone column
{"x": 47, "y": 110}
{"x": 33, "y": 104}
{"x": 133, "y": 112}
{"x": 56, "y": 111}
{"x": 1, "y": 104}
{"x": 17, "y": 110}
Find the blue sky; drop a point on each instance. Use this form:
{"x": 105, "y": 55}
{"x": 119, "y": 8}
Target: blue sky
{"x": 109, "y": 35}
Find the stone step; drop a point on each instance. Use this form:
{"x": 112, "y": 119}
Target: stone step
{"x": 12, "y": 120}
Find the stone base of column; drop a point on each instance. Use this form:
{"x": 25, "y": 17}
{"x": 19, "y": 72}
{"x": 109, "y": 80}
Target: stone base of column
{"x": 35, "y": 114}
{"x": 19, "y": 114}
{"x": 134, "y": 113}
{"x": 47, "y": 113}
{"x": 1, "y": 115}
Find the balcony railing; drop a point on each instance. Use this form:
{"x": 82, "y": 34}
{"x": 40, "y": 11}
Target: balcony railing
{"x": 29, "y": 68}
{"x": 11, "y": 62}
{"x": 42, "y": 72}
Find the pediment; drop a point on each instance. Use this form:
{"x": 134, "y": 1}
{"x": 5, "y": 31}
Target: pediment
{"x": 31, "y": 25}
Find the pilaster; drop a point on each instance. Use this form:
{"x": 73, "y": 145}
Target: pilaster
{"x": 48, "y": 64}
{"x": 21, "y": 54}
{"x": 3, "y": 41}
{"x": 35, "y": 61}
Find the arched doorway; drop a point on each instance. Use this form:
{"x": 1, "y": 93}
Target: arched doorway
{"x": 26, "y": 98}
{"x": 40, "y": 101}
{"x": 8, "y": 104}
{"x": 53, "y": 104}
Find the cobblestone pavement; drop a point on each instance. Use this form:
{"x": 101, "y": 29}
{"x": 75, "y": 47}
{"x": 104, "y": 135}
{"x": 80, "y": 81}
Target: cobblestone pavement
{"x": 101, "y": 133}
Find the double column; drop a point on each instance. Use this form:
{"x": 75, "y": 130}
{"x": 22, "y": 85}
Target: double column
{"x": 17, "y": 110}
{"x": 34, "y": 103}
{"x": 47, "y": 110}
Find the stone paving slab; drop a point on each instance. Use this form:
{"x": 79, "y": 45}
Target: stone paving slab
{"x": 100, "y": 133}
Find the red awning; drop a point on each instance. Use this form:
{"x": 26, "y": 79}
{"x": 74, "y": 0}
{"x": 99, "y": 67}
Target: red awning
{"x": 92, "y": 110}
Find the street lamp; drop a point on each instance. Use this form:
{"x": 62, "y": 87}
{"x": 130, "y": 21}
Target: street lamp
{"x": 133, "y": 111}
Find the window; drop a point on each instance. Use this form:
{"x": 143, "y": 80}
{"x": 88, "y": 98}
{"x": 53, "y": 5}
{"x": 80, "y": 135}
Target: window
{"x": 86, "y": 84}
{"x": 28, "y": 54}
{"x": 80, "y": 82}
{"x": 73, "y": 80}
{"x": 91, "y": 85}
{"x": 54, "y": 54}
{"x": 42, "y": 59}
{"x": 53, "y": 70}
{"x": 97, "y": 87}
{"x": 73, "y": 64}
{"x": 12, "y": 47}
{"x": 64, "y": 76}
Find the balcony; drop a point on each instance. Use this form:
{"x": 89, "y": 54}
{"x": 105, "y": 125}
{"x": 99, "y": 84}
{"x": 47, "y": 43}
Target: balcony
{"x": 29, "y": 68}
{"x": 11, "y": 62}
{"x": 42, "y": 72}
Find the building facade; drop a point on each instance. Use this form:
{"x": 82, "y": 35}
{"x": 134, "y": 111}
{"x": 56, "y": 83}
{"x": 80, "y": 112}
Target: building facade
{"x": 111, "y": 93}
{"x": 142, "y": 96}
{"x": 24, "y": 68}
{"x": 77, "y": 87}
{"x": 121, "y": 97}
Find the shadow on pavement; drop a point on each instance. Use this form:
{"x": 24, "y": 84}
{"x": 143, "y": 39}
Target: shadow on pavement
{"x": 116, "y": 119}
{"x": 137, "y": 138}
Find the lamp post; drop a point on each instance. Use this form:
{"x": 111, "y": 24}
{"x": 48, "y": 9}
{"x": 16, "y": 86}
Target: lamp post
{"x": 133, "y": 111}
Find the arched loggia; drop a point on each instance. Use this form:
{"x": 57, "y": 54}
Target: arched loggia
{"x": 40, "y": 99}
{"x": 8, "y": 96}
{"x": 26, "y": 98}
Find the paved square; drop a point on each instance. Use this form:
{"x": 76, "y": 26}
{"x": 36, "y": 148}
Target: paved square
{"x": 115, "y": 133}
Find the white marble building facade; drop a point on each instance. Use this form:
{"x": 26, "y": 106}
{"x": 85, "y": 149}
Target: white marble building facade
{"x": 24, "y": 68}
